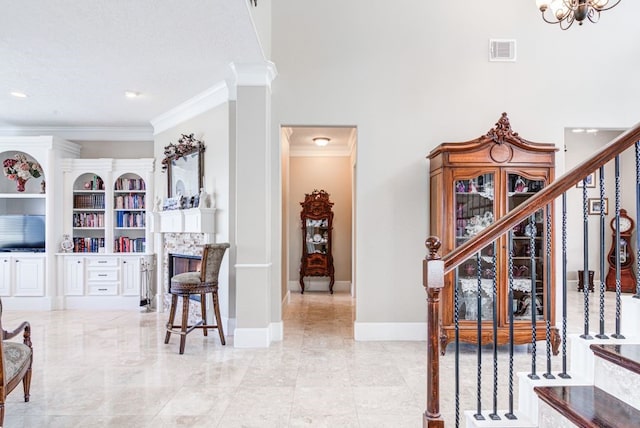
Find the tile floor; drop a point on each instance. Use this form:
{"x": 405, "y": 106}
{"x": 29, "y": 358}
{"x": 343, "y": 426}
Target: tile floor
{"x": 112, "y": 369}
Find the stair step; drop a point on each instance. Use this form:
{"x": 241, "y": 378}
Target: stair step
{"x": 521, "y": 420}
{"x": 626, "y": 356}
{"x": 617, "y": 371}
{"x": 588, "y": 406}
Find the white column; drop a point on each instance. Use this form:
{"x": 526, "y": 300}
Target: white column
{"x": 253, "y": 199}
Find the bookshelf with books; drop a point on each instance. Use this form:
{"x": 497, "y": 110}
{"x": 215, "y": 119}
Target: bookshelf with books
{"x": 105, "y": 208}
{"x": 88, "y": 214}
{"x": 129, "y": 214}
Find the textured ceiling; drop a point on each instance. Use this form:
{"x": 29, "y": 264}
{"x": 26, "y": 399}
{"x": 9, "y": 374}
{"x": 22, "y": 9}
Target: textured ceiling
{"x": 75, "y": 59}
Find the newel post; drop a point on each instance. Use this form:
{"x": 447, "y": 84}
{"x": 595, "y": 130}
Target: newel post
{"x": 433, "y": 281}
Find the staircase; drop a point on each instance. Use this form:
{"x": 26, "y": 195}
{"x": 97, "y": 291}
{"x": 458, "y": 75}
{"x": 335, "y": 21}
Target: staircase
{"x": 600, "y": 382}
{"x": 611, "y": 401}
{"x": 603, "y": 389}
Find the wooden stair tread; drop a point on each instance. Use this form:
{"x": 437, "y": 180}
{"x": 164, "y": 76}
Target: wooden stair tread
{"x": 626, "y": 356}
{"x": 589, "y": 406}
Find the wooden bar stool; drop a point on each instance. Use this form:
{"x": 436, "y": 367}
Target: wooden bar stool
{"x": 197, "y": 283}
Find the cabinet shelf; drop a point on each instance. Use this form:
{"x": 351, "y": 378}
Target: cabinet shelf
{"x": 23, "y": 195}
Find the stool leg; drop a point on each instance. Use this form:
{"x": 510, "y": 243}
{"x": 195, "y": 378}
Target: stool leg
{"x": 172, "y": 315}
{"x": 216, "y": 310}
{"x": 185, "y": 322}
{"x": 203, "y": 305}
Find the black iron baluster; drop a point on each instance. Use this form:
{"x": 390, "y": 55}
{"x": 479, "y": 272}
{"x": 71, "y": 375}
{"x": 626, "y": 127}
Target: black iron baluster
{"x": 564, "y": 374}
{"x": 531, "y": 231}
{"x": 547, "y": 289}
{"x": 601, "y": 334}
{"x": 637, "y": 295}
{"x": 478, "y": 414}
{"x": 585, "y": 260}
{"x": 494, "y": 416}
{"x": 456, "y": 324}
{"x": 509, "y": 414}
{"x": 617, "y": 334}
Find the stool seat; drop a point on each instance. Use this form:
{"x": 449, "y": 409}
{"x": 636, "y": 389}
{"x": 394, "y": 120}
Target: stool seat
{"x": 200, "y": 283}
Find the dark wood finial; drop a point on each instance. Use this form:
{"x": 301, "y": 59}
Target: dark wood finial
{"x": 502, "y": 130}
{"x": 433, "y": 245}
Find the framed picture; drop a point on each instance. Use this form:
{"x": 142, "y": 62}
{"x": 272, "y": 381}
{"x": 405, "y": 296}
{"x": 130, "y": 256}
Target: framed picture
{"x": 595, "y": 207}
{"x": 590, "y": 181}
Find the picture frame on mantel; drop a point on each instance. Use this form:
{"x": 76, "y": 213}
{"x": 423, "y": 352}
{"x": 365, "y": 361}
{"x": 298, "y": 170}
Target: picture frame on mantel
{"x": 184, "y": 164}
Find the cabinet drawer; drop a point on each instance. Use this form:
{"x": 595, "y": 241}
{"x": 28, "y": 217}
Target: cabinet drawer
{"x": 106, "y": 289}
{"x": 102, "y": 274}
{"x": 106, "y": 261}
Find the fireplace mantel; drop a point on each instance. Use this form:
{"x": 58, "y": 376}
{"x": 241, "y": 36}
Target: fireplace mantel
{"x": 192, "y": 220}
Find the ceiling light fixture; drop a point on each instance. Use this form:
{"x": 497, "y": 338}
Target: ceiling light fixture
{"x": 131, "y": 94}
{"x": 19, "y": 94}
{"x": 577, "y": 130}
{"x": 592, "y": 131}
{"x": 321, "y": 141}
{"x": 565, "y": 12}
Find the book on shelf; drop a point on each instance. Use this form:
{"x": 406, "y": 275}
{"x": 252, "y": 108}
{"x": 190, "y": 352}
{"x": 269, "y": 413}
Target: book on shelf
{"x": 124, "y": 244}
{"x": 123, "y": 183}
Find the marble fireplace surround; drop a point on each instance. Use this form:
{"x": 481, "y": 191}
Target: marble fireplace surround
{"x": 180, "y": 243}
{"x": 180, "y": 232}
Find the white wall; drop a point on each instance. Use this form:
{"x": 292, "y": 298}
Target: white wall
{"x": 411, "y": 75}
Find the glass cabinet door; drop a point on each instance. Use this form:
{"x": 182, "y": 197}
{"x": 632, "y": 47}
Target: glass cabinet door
{"x": 474, "y": 211}
{"x": 524, "y": 265}
{"x": 317, "y": 235}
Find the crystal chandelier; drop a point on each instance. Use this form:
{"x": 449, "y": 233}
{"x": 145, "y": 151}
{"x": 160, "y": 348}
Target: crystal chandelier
{"x": 565, "y": 12}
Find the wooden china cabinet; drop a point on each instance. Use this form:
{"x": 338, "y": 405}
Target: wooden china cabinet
{"x": 317, "y": 224}
{"x": 474, "y": 183}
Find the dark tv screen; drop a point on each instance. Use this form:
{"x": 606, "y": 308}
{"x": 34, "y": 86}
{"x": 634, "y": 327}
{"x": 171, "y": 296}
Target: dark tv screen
{"x": 22, "y": 232}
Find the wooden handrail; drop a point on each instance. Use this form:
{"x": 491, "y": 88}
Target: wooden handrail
{"x": 542, "y": 198}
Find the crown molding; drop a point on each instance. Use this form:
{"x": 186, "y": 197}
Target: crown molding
{"x": 83, "y": 133}
{"x": 211, "y": 98}
{"x": 261, "y": 74}
{"x": 320, "y": 152}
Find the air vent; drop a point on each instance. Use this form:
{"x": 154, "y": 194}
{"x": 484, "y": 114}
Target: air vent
{"x": 502, "y": 50}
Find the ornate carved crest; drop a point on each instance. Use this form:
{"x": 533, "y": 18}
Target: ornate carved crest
{"x": 316, "y": 203}
{"x": 186, "y": 144}
{"x": 502, "y": 130}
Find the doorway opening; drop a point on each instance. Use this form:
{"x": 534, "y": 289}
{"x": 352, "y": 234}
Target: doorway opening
{"x": 308, "y": 166}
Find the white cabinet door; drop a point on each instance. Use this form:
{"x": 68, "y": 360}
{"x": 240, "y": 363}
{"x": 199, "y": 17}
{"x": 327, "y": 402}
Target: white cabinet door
{"x": 5, "y": 276}
{"x": 130, "y": 276}
{"x": 29, "y": 273}
{"x": 73, "y": 276}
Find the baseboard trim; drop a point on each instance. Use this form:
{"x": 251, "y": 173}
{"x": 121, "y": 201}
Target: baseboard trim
{"x": 27, "y": 303}
{"x": 258, "y": 337}
{"x": 276, "y": 331}
{"x": 373, "y": 331}
{"x": 320, "y": 284}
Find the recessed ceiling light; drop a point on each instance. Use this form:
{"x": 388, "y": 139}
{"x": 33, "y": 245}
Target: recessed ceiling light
{"x": 591, "y": 131}
{"x": 577, "y": 130}
{"x": 131, "y": 94}
{"x": 19, "y": 94}
{"x": 321, "y": 141}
